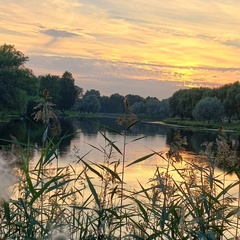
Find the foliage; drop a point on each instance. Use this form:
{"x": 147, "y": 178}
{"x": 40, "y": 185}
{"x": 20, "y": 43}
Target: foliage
{"x": 91, "y": 104}
{"x": 51, "y": 84}
{"x": 68, "y": 92}
{"x": 10, "y": 58}
{"x": 184, "y": 199}
{"x": 232, "y": 101}
{"x": 17, "y": 83}
{"x": 183, "y": 102}
{"x": 208, "y": 109}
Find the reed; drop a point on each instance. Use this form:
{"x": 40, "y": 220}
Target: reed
{"x": 186, "y": 199}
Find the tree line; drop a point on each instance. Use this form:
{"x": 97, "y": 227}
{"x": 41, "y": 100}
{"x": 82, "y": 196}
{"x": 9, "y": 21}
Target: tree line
{"x": 21, "y": 90}
{"x": 207, "y": 104}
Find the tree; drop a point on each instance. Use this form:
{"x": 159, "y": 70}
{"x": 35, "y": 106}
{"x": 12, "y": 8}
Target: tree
{"x": 182, "y": 102}
{"x": 174, "y": 101}
{"x": 139, "y": 108}
{"x": 104, "y": 102}
{"x": 68, "y": 92}
{"x": 116, "y": 103}
{"x": 91, "y": 104}
{"x": 231, "y": 102}
{"x": 10, "y": 58}
{"x": 51, "y": 83}
{"x": 152, "y": 106}
{"x": 92, "y": 92}
{"x": 17, "y": 83}
{"x": 132, "y": 99}
{"x": 209, "y": 109}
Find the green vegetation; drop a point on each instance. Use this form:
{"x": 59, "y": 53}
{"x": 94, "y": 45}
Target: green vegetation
{"x": 17, "y": 83}
{"x": 184, "y": 199}
{"x": 233, "y": 126}
{"x": 212, "y": 105}
{"x": 21, "y": 90}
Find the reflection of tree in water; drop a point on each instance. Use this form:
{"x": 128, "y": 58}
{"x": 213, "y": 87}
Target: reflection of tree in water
{"x": 234, "y": 140}
{"x": 67, "y": 128}
{"x": 21, "y": 130}
{"x": 195, "y": 139}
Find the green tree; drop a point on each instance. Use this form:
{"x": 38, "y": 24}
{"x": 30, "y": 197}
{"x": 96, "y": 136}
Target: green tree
{"x": 182, "y": 102}
{"x": 105, "y": 105}
{"x": 232, "y": 101}
{"x": 132, "y": 99}
{"x": 92, "y": 92}
{"x": 116, "y": 103}
{"x": 174, "y": 103}
{"x": 152, "y": 106}
{"x": 91, "y": 104}
{"x": 68, "y": 92}
{"x": 209, "y": 109}
{"x": 17, "y": 83}
{"x": 10, "y": 58}
{"x": 139, "y": 108}
{"x": 51, "y": 83}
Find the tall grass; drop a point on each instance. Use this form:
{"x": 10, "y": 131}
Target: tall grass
{"x": 184, "y": 199}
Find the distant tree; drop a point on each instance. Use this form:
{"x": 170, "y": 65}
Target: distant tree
{"x": 182, "y": 102}
{"x": 17, "y": 83}
{"x": 91, "y": 104}
{"x": 116, "y": 103}
{"x": 174, "y": 103}
{"x": 164, "y": 109}
{"x": 157, "y": 109}
{"x": 68, "y": 92}
{"x": 92, "y": 92}
{"x": 139, "y": 108}
{"x": 222, "y": 92}
{"x": 51, "y": 83}
{"x": 232, "y": 101}
{"x": 208, "y": 109}
{"x": 132, "y": 99}
{"x": 105, "y": 105}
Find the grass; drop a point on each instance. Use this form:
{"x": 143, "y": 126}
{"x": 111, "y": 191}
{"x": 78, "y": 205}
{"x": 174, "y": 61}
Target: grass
{"x": 233, "y": 126}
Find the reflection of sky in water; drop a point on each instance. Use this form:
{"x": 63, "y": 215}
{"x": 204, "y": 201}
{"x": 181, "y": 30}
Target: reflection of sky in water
{"x": 142, "y": 171}
{"x": 157, "y": 139}
{"x": 134, "y": 150}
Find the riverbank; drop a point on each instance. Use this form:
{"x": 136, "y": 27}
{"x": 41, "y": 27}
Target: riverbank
{"x": 175, "y": 122}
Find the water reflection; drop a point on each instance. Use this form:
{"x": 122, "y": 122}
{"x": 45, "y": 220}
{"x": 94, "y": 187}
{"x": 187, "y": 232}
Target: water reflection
{"x": 190, "y": 175}
{"x": 83, "y": 130}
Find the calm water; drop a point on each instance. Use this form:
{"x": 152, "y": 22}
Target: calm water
{"x": 140, "y": 140}
{"x": 89, "y": 142}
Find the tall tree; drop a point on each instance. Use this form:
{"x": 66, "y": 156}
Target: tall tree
{"x": 232, "y": 101}
{"x": 68, "y": 92}
{"x": 116, "y": 103}
{"x": 51, "y": 83}
{"x": 105, "y": 105}
{"x": 10, "y": 58}
{"x": 17, "y": 83}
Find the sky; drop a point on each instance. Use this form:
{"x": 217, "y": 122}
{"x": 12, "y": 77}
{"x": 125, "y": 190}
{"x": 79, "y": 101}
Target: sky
{"x": 148, "y": 48}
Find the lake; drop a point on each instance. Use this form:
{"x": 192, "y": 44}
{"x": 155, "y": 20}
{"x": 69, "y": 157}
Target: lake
{"x": 89, "y": 139}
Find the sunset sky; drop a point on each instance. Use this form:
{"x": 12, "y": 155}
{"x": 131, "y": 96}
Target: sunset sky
{"x": 149, "y": 48}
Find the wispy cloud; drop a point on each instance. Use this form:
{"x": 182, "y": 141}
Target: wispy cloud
{"x": 56, "y": 34}
{"x": 195, "y": 42}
